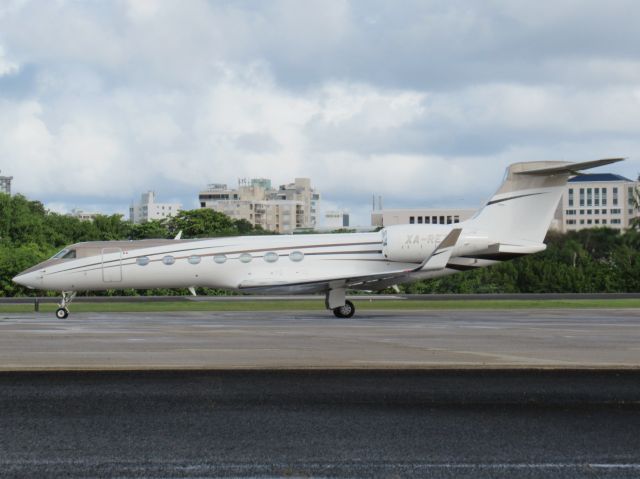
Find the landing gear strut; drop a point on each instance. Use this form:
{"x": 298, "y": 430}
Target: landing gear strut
{"x": 63, "y": 308}
{"x": 346, "y": 311}
{"x": 336, "y": 301}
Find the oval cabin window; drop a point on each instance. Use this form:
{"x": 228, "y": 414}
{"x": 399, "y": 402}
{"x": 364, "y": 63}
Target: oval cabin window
{"x": 168, "y": 260}
{"x": 142, "y": 261}
{"x": 271, "y": 257}
{"x": 220, "y": 258}
{"x": 195, "y": 259}
{"x": 245, "y": 258}
{"x": 296, "y": 256}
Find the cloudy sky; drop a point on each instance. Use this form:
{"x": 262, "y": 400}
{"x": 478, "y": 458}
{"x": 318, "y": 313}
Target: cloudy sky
{"x": 422, "y": 102}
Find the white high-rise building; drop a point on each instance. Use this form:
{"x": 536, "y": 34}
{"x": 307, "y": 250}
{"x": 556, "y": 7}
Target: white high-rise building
{"x": 148, "y": 209}
{"x": 5, "y": 184}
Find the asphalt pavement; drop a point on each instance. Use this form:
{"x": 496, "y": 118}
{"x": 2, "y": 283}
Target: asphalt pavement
{"x": 498, "y": 424}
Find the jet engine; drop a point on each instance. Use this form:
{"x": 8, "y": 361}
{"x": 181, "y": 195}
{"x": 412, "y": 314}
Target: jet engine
{"x": 415, "y": 243}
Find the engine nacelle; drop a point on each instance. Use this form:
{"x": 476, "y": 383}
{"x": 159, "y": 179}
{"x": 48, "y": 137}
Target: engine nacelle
{"x": 415, "y": 243}
{"x": 412, "y": 243}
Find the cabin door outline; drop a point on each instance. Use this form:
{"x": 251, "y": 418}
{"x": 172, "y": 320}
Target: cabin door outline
{"x": 112, "y": 267}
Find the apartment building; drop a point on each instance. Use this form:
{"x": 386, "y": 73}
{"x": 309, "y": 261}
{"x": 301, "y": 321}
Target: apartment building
{"x": 281, "y": 210}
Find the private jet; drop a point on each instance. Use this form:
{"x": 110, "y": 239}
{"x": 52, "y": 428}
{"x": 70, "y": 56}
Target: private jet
{"x": 511, "y": 224}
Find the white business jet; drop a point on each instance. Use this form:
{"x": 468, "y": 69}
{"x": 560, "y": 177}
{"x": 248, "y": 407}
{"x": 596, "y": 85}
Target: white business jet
{"x": 512, "y": 223}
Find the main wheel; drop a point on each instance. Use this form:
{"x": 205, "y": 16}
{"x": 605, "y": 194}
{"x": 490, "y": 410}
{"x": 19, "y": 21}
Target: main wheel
{"x": 62, "y": 313}
{"x": 346, "y": 311}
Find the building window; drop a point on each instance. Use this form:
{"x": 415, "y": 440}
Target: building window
{"x": 168, "y": 260}
{"x": 220, "y": 258}
{"x": 419, "y": 220}
{"x": 449, "y": 220}
{"x": 194, "y": 259}
{"x": 615, "y": 221}
{"x": 581, "y": 196}
{"x": 596, "y": 222}
{"x": 604, "y": 212}
{"x": 271, "y": 257}
{"x": 604, "y": 222}
{"x": 456, "y": 219}
{"x": 581, "y": 212}
{"x": 442, "y": 220}
{"x": 245, "y": 258}
{"x": 589, "y": 222}
{"x": 412, "y": 220}
{"x": 434, "y": 220}
{"x": 589, "y": 212}
{"x": 296, "y": 256}
{"x": 581, "y": 222}
{"x": 143, "y": 261}
{"x": 427, "y": 220}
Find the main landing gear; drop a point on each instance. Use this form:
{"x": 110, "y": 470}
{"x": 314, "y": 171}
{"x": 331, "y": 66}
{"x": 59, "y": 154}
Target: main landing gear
{"x": 336, "y": 301}
{"x": 346, "y": 311}
{"x": 63, "y": 311}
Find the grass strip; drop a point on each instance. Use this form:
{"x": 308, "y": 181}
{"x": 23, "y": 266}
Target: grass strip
{"x": 318, "y": 305}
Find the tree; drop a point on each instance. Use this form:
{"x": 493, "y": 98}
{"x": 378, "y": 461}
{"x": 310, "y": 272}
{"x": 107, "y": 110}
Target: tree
{"x": 635, "y": 201}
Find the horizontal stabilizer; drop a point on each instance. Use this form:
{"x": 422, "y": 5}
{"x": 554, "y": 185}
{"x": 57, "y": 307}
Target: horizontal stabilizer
{"x": 569, "y": 168}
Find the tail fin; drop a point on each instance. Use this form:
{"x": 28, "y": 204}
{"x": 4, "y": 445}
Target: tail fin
{"x": 524, "y": 205}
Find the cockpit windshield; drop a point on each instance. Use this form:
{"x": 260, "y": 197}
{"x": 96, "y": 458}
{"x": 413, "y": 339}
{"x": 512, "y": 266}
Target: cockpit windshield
{"x": 65, "y": 254}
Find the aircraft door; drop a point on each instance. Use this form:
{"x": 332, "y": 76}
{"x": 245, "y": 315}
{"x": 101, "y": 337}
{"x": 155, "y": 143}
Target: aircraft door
{"x": 111, "y": 265}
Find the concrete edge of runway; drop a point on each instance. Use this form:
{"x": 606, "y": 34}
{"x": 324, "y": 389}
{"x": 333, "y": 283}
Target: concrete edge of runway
{"x": 433, "y": 387}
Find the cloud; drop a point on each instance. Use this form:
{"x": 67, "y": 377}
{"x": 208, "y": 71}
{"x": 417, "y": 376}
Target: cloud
{"x": 422, "y": 102}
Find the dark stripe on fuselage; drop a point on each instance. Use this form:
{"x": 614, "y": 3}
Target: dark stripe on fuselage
{"x": 513, "y": 198}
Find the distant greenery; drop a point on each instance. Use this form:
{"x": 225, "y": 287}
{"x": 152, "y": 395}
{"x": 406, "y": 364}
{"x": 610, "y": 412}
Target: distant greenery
{"x": 597, "y": 260}
{"x": 30, "y": 234}
{"x": 594, "y": 260}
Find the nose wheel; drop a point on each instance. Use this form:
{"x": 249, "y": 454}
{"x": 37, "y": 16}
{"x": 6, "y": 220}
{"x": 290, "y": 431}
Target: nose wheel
{"x": 63, "y": 308}
{"x": 346, "y": 311}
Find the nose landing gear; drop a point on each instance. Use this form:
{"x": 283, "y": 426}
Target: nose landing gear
{"x": 63, "y": 311}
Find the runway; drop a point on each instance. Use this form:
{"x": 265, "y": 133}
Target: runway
{"x": 299, "y": 340}
{"x": 458, "y": 394}
{"x": 312, "y": 423}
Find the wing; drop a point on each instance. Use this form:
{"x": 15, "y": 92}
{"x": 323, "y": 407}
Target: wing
{"x": 437, "y": 261}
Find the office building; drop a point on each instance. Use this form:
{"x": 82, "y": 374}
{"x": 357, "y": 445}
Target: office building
{"x": 433, "y": 216}
{"x": 148, "y": 209}
{"x": 336, "y": 219}
{"x": 596, "y": 200}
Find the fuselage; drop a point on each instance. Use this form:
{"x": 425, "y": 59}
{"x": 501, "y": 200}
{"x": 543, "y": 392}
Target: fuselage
{"x": 233, "y": 263}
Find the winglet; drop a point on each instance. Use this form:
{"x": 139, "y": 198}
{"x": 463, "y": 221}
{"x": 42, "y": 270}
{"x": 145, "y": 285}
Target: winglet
{"x": 569, "y": 168}
{"x": 440, "y": 257}
{"x": 179, "y": 235}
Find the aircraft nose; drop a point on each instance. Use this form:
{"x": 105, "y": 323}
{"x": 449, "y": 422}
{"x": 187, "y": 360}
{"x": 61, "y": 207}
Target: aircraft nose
{"x": 30, "y": 280}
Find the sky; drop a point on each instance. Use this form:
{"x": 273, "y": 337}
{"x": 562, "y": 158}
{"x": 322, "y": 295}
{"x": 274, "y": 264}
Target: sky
{"x": 422, "y": 102}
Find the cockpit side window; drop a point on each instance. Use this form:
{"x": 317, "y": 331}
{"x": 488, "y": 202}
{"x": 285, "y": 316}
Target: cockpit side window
{"x": 65, "y": 254}
{"x": 60, "y": 254}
